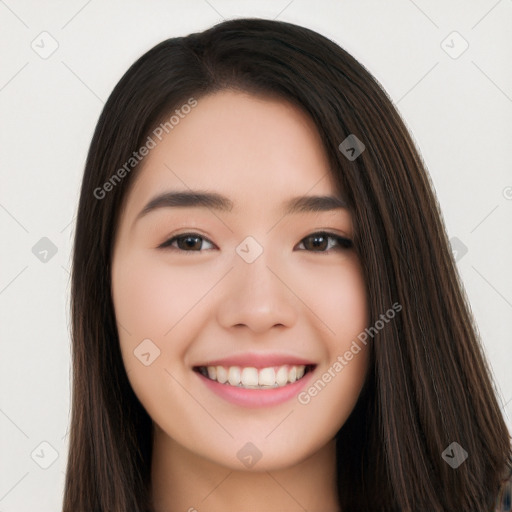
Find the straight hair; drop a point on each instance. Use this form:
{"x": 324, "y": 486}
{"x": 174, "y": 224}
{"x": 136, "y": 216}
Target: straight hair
{"x": 429, "y": 383}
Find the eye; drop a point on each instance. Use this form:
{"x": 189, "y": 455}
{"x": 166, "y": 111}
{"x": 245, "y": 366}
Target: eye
{"x": 316, "y": 242}
{"x": 320, "y": 240}
{"x": 185, "y": 242}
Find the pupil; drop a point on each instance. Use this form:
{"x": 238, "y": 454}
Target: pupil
{"x": 191, "y": 241}
{"x": 316, "y": 243}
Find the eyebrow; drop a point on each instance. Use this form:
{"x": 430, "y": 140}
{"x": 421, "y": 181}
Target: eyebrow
{"x": 215, "y": 201}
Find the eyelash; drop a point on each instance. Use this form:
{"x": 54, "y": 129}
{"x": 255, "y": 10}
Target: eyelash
{"x": 343, "y": 243}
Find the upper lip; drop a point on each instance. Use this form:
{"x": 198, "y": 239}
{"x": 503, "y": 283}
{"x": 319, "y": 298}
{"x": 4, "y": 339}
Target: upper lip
{"x": 258, "y": 360}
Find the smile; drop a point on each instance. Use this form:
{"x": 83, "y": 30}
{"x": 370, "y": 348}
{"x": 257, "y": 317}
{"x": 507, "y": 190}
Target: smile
{"x": 253, "y": 378}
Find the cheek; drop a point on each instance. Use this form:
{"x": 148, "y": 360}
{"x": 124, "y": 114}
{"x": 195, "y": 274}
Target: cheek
{"x": 148, "y": 301}
{"x": 340, "y": 300}
{"x": 159, "y": 301}
{"x": 149, "y": 297}
{"x": 338, "y": 297}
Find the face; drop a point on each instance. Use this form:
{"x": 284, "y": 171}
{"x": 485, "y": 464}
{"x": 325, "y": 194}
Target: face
{"x": 269, "y": 298}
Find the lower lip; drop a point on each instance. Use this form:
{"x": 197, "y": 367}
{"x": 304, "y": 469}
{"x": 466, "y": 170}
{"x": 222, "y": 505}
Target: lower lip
{"x": 256, "y": 397}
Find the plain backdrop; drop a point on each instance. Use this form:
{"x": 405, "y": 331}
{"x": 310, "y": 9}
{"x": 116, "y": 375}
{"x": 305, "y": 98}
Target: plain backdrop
{"x": 446, "y": 65}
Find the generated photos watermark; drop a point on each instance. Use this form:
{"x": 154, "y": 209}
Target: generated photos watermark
{"x": 305, "y": 397}
{"x": 151, "y": 143}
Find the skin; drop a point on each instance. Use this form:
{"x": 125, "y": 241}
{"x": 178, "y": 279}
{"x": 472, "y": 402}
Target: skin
{"x": 194, "y": 306}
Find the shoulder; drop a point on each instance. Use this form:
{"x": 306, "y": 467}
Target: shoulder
{"x": 504, "y": 498}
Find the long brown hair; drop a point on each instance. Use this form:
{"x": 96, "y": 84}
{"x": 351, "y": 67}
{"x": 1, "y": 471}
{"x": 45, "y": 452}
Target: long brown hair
{"x": 429, "y": 383}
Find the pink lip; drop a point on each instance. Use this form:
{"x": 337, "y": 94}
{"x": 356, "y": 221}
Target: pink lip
{"x": 256, "y": 360}
{"x": 256, "y": 397}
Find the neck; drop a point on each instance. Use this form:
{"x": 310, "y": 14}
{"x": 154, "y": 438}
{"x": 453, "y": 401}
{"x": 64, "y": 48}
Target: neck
{"x": 183, "y": 481}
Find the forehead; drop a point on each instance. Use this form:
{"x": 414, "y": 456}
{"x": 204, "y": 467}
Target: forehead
{"x": 257, "y": 151}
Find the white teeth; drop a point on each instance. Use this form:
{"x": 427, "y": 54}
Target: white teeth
{"x": 234, "y": 375}
{"x": 282, "y": 376}
{"x": 222, "y": 374}
{"x": 249, "y": 377}
{"x": 267, "y": 377}
{"x": 252, "y": 378}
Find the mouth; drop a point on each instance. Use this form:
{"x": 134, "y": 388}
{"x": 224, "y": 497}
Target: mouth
{"x": 249, "y": 377}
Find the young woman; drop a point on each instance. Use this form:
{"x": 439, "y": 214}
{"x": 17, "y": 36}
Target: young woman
{"x": 266, "y": 312}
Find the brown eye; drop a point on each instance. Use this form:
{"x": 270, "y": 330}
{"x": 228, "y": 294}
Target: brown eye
{"x": 187, "y": 242}
{"x": 319, "y": 242}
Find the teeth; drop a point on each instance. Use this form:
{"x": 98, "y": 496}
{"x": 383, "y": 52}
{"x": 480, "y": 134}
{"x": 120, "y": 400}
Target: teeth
{"x": 222, "y": 374}
{"x": 282, "y": 376}
{"x": 234, "y": 375}
{"x": 249, "y": 377}
{"x": 252, "y": 378}
{"x": 267, "y": 377}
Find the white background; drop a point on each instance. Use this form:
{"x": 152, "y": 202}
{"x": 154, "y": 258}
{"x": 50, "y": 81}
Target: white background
{"x": 459, "y": 111}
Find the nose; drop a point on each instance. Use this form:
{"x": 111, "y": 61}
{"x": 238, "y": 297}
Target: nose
{"x": 257, "y": 296}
